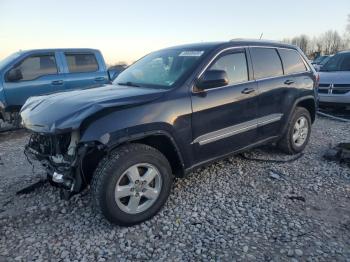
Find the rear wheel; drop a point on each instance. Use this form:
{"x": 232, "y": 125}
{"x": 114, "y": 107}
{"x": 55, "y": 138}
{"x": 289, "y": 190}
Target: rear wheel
{"x": 132, "y": 184}
{"x": 298, "y": 132}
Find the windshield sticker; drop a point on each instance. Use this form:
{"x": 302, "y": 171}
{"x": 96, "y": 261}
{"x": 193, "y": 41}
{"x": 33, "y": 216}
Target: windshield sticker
{"x": 191, "y": 53}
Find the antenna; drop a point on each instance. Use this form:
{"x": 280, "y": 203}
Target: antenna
{"x": 261, "y": 36}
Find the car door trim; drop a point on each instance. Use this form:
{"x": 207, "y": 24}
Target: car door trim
{"x": 237, "y": 129}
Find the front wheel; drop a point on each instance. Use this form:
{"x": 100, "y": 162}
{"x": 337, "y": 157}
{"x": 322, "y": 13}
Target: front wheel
{"x": 298, "y": 132}
{"x": 132, "y": 184}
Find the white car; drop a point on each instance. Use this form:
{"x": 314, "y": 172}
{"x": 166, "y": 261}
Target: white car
{"x": 321, "y": 64}
{"x": 334, "y": 87}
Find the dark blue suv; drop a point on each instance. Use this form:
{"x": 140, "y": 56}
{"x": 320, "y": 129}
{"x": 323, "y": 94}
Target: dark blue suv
{"x": 170, "y": 112}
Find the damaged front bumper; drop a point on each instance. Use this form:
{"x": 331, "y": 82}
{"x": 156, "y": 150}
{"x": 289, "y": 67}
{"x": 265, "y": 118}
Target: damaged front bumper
{"x": 61, "y": 156}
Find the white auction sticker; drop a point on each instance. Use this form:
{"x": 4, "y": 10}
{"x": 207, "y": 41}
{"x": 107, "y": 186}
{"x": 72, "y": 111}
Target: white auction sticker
{"x": 191, "y": 53}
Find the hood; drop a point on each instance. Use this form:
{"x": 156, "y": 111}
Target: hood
{"x": 337, "y": 77}
{"x": 63, "y": 112}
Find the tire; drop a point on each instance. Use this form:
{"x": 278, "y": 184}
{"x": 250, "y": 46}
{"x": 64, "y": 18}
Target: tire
{"x": 114, "y": 170}
{"x": 287, "y": 143}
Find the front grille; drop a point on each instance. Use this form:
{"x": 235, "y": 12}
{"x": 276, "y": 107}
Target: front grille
{"x": 340, "y": 91}
{"x": 324, "y": 85}
{"x": 342, "y": 85}
{"x": 335, "y": 89}
{"x": 49, "y": 145}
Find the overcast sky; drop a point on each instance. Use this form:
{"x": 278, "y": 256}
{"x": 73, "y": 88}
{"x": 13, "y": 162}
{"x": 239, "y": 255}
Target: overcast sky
{"x": 126, "y": 30}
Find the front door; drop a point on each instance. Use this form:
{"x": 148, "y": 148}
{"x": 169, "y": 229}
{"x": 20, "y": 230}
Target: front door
{"x": 224, "y": 118}
{"x": 39, "y": 76}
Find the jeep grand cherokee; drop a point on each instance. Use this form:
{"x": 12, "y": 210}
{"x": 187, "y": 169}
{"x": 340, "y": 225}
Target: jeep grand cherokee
{"x": 170, "y": 112}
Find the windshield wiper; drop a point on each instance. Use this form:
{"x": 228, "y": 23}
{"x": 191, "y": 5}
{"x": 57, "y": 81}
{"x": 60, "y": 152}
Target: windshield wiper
{"x": 128, "y": 84}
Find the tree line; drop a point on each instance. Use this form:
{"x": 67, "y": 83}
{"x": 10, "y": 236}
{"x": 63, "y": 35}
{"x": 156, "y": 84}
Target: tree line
{"x": 328, "y": 43}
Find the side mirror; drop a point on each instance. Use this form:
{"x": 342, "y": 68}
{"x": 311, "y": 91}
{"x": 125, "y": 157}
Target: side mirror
{"x": 212, "y": 79}
{"x": 14, "y": 75}
{"x": 112, "y": 73}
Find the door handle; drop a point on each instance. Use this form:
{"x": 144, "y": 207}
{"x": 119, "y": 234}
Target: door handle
{"x": 248, "y": 90}
{"x": 57, "y": 82}
{"x": 289, "y": 82}
{"x": 97, "y": 79}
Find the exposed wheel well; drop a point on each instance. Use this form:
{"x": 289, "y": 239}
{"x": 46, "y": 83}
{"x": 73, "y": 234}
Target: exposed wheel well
{"x": 163, "y": 144}
{"x": 309, "y": 104}
{"x": 160, "y": 142}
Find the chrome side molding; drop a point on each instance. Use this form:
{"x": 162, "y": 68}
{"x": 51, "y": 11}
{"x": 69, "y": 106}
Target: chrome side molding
{"x": 237, "y": 129}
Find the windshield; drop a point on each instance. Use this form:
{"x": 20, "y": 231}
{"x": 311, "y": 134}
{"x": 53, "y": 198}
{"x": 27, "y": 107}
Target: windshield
{"x": 339, "y": 62}
{"x": 160, "y": 69}
{"x": 319, "y": 59}
{"x": 6, "y": 60}
{"x": 324, "y": 61}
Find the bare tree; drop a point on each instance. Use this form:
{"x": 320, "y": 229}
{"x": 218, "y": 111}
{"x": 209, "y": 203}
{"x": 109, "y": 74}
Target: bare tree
{"x": 304, "y": 43}
{"x": 319, "y": 45}
{"x": 347, "y": 34}
{"x": 316, "y": 45}
{"x": 332, "y": 42}
{"x": 301, "y": 41}
{"x": 328, "y": 43}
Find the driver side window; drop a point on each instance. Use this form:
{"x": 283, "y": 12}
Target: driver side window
{"x": 235, "y": 65}
{"x": 36, "y": 66}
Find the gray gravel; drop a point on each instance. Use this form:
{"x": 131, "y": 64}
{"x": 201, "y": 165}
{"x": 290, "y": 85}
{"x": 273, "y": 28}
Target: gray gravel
{"x": 235, "y": 209}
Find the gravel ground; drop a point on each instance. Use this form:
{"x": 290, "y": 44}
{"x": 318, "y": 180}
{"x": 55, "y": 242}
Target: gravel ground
{"x": 235, "y": 209}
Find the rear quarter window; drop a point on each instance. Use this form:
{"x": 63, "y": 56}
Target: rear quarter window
{"x": 81, "y": 63}
{"x": 292, "y": 61}
{"x": 266, "y": 62}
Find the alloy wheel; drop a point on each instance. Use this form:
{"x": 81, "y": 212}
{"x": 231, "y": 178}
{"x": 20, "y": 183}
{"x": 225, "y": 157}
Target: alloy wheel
{"x": 300, "y": 131}
{"x": 138, "y": 188}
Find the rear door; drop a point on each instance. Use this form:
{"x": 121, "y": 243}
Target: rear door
{"x": 224, "y": 118}
{"x": 273, "y": 87}
{"x": 40, "y": 75}
{"x": 296, "y": 68}
{"x": 83, "y": 70}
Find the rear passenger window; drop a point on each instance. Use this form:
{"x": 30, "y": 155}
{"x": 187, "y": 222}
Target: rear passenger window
{"x": 235, "y": 66}
{"x": 292, "y": 62}
{"x": 80, "y": 63}
{"x": 37, "y": 66}
{"x": 266, "y": 62}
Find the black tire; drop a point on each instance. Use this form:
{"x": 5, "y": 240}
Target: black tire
{"x": 110, "y": 170}
{"x": 286, "y": 143}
